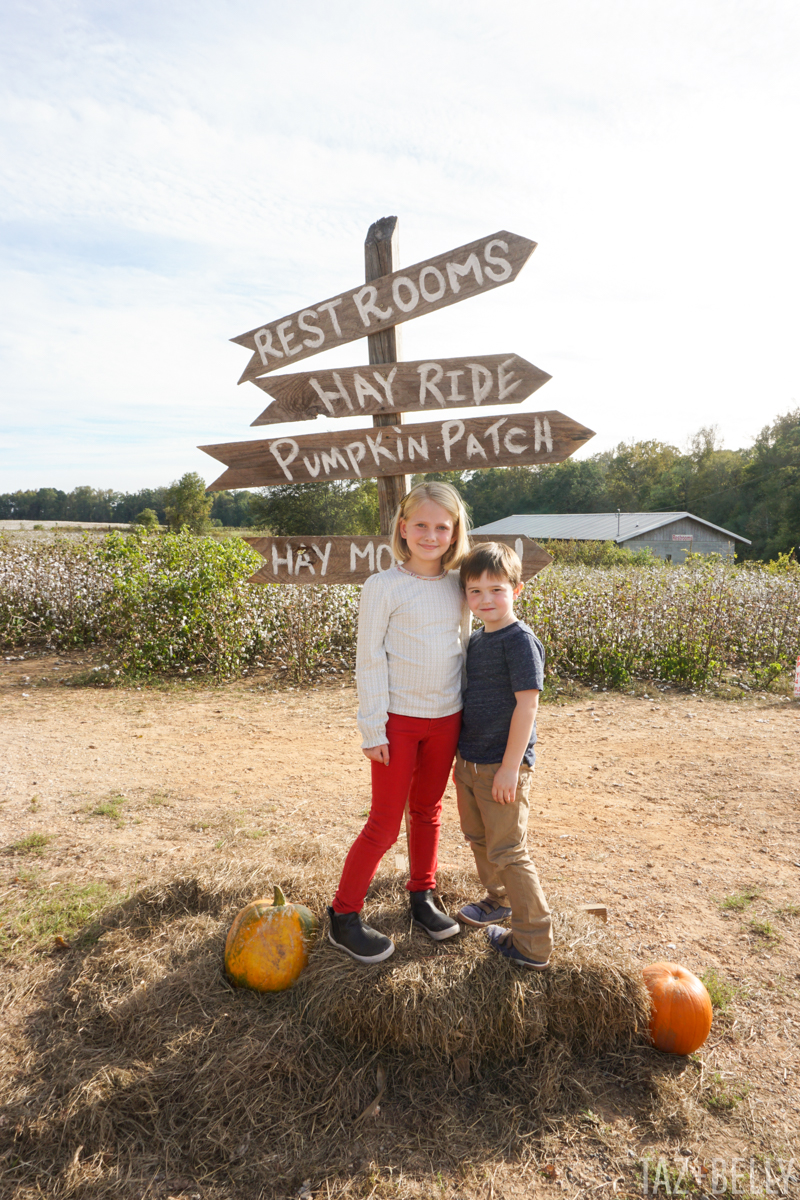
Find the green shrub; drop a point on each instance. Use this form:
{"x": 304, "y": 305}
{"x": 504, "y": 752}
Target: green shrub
{"x": 182, "y": 604}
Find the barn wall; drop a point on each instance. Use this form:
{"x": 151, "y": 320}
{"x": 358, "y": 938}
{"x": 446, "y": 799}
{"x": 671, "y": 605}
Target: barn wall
{"x": 662, "y": 543}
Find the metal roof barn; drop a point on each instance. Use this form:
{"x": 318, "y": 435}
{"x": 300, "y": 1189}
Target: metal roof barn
{"x": 665, "y": 534}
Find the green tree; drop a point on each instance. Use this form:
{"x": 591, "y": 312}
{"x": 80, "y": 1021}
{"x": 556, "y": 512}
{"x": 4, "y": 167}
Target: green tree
{"x": 771, "y": 487}
{"x": 232, "y": 509}
{"x": 337, "y": 507}
{"x": 147, "y": 519}
{"x": 186, "y": 503}
{"x": 633, "y": 472}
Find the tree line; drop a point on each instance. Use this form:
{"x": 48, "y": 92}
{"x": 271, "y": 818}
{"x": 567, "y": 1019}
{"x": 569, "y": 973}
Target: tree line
{"x": 754, "y": 492}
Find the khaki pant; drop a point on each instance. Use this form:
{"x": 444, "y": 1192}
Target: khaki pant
{"x": 498, "y": 836}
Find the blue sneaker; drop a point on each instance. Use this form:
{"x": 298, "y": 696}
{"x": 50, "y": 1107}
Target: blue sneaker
{"x": 500, "y": 939}
{"x": 483, "y": 913}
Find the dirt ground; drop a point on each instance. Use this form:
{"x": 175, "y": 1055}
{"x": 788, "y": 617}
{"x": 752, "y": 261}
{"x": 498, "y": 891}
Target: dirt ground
{"x": 679, "y": 812}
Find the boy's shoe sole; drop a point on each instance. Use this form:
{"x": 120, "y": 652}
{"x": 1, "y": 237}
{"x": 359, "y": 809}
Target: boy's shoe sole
{"x": 500, "y": 940}
{"x": 375, "y": 958}
{"x": 473, "y": 914}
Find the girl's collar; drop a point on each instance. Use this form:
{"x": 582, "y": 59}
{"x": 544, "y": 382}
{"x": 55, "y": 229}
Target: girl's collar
{"x": 426, "y": 578}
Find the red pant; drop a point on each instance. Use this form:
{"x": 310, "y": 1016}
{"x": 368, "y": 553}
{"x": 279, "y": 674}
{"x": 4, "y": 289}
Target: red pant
{"x": 421, "y": 751}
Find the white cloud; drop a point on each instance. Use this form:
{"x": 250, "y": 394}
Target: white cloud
{"x": 175, "y": 174}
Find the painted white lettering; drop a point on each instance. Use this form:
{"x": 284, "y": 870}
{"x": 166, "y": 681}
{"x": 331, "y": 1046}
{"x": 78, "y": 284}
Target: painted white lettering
{"x": 455, "y": 395}
{"x": 377, "y": 449}
{"x": 384, "y": 548}
{"x": 286, "y": 338}
{"x": 542, "y": 433}
{"x": 399, "y": 448}
{"x": 421, "y": 447}
{"x": 315, "y": 329}
{"x": 333, "y": 461}
{"x": 264, "y": 346}
{"x": 365, "y": 390}
{"x": 303, "y": 560}
{"x": 504, "y": 385}
{"x": 513, "y": 447}
{"x": 281, "y": 562}
{"x": 365, "y": 303}
{"x": 386, "y": 384}
{"x": 492, "y": 432}
{"x": 402, "y": 281}
{"x": 481, "y": 382}
{"x": 312, "y": 470}
{"x": 356, "y": 452}
{"x": 474, "y": 446}
{"x": 454, "y": 270}
{"x": 438, "y": 276}
{"x": 430, "y": 374}
{"x": 519, "y": 549}
{"x": 322, "y": 557}
{"x": 283, "y": 460}
{"x": 451, "y": 432}
{"x": 368, "y": 553}
{"x": 327, "y": 397}
{"x": 502, "y": 263}
{"x": 329, "y": 307}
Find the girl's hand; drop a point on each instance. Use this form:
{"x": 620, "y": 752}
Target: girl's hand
{"x": 504, "y": 785}
{"x": 378, "y": 754}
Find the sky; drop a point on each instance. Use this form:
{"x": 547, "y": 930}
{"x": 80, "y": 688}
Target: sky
{"x": 173, "y": 174}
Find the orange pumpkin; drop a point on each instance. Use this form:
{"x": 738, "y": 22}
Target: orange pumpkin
{"x": 267, "y": 944}
{"x": 681, "y": 1012}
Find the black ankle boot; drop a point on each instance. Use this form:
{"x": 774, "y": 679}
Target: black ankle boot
{"x": 348, "y": 932}
{"x": 430, "y": 918}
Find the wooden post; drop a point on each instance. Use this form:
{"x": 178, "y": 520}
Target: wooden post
{"x": 381, "y": 253}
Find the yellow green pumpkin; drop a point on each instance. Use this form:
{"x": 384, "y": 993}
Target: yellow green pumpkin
{"x": 267, "y": 944}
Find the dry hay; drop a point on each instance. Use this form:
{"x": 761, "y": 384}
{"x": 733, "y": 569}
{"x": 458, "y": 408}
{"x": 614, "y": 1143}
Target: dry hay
{"x": 140, "y": 1063}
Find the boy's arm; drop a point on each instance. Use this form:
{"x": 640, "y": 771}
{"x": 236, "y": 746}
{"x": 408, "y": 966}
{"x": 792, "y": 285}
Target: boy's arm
{"x": 504, "y": 786}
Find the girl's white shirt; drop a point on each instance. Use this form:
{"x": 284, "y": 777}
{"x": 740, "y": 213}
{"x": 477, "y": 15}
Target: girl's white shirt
{"x": 412, "y": 639}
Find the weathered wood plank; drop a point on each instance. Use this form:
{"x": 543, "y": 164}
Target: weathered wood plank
{"x": 401, "y": 296}
{"x": 517, "y": 440}
{"x": 396, "y": 387}
{"x": 353, "y": 559}
{"x": 381, "y": 257}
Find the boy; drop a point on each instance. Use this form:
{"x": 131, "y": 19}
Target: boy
{"x": 494, "y": 764}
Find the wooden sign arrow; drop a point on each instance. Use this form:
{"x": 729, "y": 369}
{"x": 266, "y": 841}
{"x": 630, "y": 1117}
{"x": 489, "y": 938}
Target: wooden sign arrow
{"x": 401, "y": 296}
{"x": 450, "y": 445}
{"x": 354, "y": 559}
{"x": 400, "y": 387}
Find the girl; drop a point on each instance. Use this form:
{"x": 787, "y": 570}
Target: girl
{"x": 413, "y": 626}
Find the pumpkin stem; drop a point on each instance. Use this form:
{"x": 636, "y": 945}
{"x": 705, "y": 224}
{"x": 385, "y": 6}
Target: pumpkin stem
{"x": 278, "y": 897}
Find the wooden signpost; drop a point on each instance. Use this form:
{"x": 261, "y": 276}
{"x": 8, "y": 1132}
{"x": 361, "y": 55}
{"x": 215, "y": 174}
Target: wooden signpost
{"x": 390, "y": 450}
{"x": 354, "y": 559}
{"x": 450, "y": 445}
{"x": 422, "y": 386}
{"x": 393, "y": 298}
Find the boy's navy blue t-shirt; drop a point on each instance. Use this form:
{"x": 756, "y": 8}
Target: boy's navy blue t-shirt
{"x": 498, "y": 665}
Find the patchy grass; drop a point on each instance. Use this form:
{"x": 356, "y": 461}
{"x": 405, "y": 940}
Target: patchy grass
{"x": 724, "y": 1095}
{"x": 738, "y": 901}
{"x": 34, "y": 914}
{"x": 32, "y": 843}
{"x": 721, "y": 990}
{"x": 111, "y": 808}
{"x": 764, "y": 929}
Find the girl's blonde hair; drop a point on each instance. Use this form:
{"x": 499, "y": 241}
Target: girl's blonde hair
{"x": 445, "y": 495}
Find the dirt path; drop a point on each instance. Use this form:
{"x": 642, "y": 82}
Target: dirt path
{"x": 682, "y": 814}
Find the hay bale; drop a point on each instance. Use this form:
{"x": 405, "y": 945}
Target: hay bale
{"x": 140, "y": 1053}
{"x": 441, "y": 1001}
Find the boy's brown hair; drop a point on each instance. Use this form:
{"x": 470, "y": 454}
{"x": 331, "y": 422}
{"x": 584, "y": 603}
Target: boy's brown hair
{"x": 496, "y": 559}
